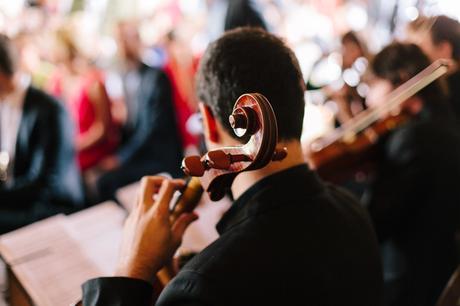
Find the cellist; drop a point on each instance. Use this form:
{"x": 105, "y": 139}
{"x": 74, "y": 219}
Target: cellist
{"x": 414, "y": 198}
{"x": 287, "y": 239}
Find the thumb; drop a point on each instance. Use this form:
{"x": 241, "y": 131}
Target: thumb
{"x": 181, "y": 225}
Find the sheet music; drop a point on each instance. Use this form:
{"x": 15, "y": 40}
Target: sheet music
{"x": 99, "y": 230}
{"x": 54, "y": 257}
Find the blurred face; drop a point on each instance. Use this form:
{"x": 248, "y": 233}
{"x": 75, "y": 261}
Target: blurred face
{"x": 129, "y": 42}
{"x": 378, "y": 90}
{"x": 425, "y": 42}
{"x": 381, "y": 88}
{"x": 350, "y": 52}
{"x": 6, "y": 85}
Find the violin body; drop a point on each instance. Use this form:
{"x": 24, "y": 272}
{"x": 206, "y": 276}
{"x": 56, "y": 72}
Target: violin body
{"x": 339, "y": 160}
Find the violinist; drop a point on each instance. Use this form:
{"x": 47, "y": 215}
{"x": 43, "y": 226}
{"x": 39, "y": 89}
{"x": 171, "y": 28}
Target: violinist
{"x": 439, "y": 37}
{"x": 344, "y": 93}
{"x": 414, "y": 197}
{"x": 287, "y": 239}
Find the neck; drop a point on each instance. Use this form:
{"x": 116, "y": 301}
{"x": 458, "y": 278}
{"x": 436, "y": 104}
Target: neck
{"x": 245, "y": 180}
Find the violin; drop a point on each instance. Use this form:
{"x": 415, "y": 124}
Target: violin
{"x": 347, "y": 149}
{"x": 253, "y": 119}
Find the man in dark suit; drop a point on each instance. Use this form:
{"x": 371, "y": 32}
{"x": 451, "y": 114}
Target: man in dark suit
{"x": 38, "y": 173}
{"x": 288, "y": 238}
{"x": 151, "y": 141}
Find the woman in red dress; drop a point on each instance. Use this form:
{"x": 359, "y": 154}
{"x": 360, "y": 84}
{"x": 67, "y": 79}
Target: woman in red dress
{"x": 82, "y": 87}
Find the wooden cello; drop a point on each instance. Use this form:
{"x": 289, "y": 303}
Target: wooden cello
{"x": 253, "y": 119}
{"x": 346, "y": 149}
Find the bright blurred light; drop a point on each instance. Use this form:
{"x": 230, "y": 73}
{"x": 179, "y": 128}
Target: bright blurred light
{"x": 450, "y": 7}
{"x": 11, "y": 8}
{"x": 107, "y": 47}
{"x": 307, "y": 53}
{"x": 326, "y": 71}
{"x": 360, "y": 65}
{"x": 306, "y": 23}
{"x": 191, "y": 7}
{"x": 318, "y": 121}
{"x": 362, "y": 90}
{"x": 411, "y": 13}
{"x": 351, "y": 77}
{"x": 356, "y": 17}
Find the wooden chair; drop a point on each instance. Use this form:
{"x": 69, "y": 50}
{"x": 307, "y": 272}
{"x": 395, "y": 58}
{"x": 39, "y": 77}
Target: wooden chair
{"x": 451, "y": 293}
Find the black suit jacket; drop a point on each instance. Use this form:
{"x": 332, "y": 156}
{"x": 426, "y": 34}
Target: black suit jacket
{"x": 45, "y": 169}
{"x": 154, "y": 140}
{"x": 288, "y": 240}
{"x": 241, "y": 13}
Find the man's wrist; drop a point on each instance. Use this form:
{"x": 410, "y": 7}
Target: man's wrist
{"x": 138, "y": 271}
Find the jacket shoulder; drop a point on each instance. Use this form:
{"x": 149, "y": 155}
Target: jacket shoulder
{"x": 38, "y": 99}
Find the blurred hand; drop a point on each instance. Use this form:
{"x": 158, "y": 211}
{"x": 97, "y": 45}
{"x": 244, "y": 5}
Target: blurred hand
{"x": 109, "y": 163}
{"x": 149, "y": 239}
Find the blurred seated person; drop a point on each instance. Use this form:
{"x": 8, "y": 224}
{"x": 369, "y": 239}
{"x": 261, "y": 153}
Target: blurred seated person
{"x": 344, "y": 92}
{"x": 38, "y": 172}
{"x": 151, "y": 142}
{"x": 180, "y": 68}
{"x": 439, "y": 37}
{"x": 355, "y": 58}
{"x": 414, "y": 197}
{"x": 81, "y": 86}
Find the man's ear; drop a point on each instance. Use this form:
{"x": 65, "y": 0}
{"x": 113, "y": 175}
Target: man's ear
{"x": 209, "y": 123}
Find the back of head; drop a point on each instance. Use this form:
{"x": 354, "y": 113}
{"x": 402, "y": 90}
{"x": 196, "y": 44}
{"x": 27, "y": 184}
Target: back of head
{"x": 398, "y": 62}
{"x": 249, "y": 60}
{"x": 8, "y": 61}
{"x": 441, "y": 29}
{"x": 447, "y": 29}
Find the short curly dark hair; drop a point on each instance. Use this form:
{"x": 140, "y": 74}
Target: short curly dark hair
{"x": 247, "y": 60}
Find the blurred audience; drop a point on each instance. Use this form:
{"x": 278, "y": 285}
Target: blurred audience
{"x": 354, "y": 58}
{"x": 38, "y": 172}
{"x": 81, "y": 86}
{"x": 180, "y": 68}
{"x": 151, "y": 143}
{"x": 413, "y": 199}
{"x": 439, "y": 37}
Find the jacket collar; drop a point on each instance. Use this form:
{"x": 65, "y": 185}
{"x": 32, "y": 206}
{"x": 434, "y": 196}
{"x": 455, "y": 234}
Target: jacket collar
{"x": 269, "y": 193}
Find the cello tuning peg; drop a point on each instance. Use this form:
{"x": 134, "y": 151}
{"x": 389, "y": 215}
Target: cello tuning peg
{"x": 193, "y": 166}
{"x": 218, "y": 159}
{"x": 279, "y": 154}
